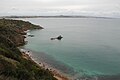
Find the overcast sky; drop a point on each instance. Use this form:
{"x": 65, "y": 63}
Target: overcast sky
{"x": 52, "y": 7}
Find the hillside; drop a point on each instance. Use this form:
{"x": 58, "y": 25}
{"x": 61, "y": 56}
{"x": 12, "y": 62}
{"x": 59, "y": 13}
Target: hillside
{"x": 13, "y": 66}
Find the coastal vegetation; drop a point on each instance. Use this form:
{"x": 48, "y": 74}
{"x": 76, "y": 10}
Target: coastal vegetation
{"x": 13, "y": 64}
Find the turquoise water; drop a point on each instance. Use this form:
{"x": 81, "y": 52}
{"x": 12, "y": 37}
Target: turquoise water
{"x": 90, "y": 47}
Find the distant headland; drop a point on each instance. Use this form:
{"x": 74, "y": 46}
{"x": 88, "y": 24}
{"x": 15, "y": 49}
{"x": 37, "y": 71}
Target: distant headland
{"x": 56, "y": 16}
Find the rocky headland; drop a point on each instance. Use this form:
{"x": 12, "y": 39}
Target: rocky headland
{"x": 14, "y": 65}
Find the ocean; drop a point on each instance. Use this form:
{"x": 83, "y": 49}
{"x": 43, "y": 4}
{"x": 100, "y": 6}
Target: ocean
{"x": 90, "y": 46}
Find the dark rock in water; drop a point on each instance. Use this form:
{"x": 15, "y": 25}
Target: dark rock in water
{"x": 59, "y": 38}
{"x": 53, "y": 38}
{"x": 31, "y": 35}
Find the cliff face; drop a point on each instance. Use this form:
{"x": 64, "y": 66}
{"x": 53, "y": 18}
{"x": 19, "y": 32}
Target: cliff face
{"x": 13, "y": 66}
{"x": 14, "y": 30}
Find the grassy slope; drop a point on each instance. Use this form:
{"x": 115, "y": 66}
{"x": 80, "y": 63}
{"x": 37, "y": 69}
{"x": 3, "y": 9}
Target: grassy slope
{"x": 12, "y": 65}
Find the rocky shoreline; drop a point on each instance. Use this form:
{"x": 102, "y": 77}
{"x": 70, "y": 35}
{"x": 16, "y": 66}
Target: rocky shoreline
{"x": 14, "y": 65}
{"x": 57, "y": 74}
{"x": 26, "y": 54}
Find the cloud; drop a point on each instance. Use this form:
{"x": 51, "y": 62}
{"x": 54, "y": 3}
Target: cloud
{"x": 60, "y": 6}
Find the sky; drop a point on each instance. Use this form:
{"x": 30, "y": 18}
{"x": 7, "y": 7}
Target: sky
{"x": 60, "y": 7}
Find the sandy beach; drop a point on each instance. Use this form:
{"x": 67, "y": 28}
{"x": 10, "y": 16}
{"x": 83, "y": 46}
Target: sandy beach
{"x": 57, "y": 74}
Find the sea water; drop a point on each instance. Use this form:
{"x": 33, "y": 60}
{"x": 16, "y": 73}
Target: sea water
{"x": 90, "y": 46}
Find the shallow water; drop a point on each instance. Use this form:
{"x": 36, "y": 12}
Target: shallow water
{"x": 90, "y": 46}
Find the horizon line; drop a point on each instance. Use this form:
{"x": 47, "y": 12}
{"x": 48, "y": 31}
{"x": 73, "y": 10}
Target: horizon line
{"x": 55, "y": 16}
